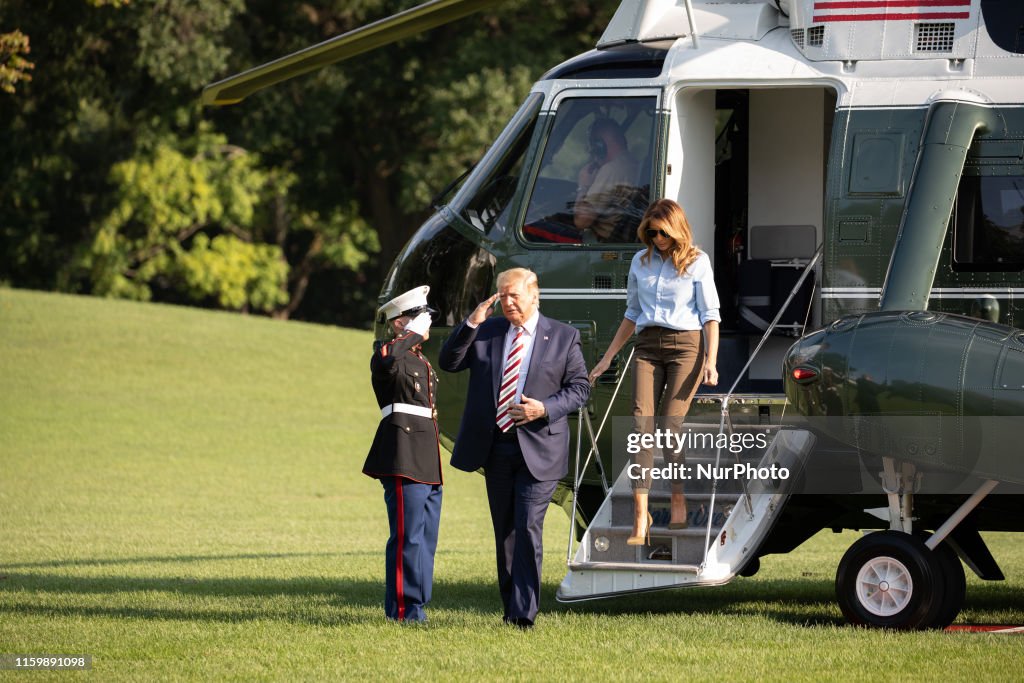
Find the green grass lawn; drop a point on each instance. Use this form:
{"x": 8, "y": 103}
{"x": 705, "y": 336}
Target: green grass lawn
{"x": 181, "y": 498}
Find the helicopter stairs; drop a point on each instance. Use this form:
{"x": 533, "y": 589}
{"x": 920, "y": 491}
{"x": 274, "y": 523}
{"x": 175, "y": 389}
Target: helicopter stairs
{"x": 728, "y": 519}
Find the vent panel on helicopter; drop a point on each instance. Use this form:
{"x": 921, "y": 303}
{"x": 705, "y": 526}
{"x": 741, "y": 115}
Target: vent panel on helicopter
{"x": 934, "y": 37}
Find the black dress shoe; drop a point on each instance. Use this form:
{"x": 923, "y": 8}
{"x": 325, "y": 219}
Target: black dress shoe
{"x": 519, "y": 622}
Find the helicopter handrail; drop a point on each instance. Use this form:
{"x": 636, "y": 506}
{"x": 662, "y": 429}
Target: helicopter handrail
{"x": 596, "y": 451}
{"x": 600, "y": 428}
{"x": 726, "y": 416}
{"x": 584, "y": 417}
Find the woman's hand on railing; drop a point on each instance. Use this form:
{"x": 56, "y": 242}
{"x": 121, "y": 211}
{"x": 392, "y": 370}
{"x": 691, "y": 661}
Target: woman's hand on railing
{"x": 599, "y": 369}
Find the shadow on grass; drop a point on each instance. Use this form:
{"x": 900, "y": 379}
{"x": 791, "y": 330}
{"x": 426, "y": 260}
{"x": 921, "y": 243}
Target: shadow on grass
{"x": 319, "y": 600}
{"x": 800, "y": 602}
{"x": 156, "y": 559}
{"x": 325, "y": 600}
{"x": 804, "y": 602}
{"x": 335, "y": 601}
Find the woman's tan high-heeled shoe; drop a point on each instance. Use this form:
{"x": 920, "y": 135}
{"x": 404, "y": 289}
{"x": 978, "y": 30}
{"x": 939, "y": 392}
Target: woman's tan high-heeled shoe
{"x": 678, "y": 521}
{"x": 642, "y": 537}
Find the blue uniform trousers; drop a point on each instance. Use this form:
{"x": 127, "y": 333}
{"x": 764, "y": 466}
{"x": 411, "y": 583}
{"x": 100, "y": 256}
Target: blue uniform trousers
{"x": 414, "y": 514}
{"x": 518, "y": 503}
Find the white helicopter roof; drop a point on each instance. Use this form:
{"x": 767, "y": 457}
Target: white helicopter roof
{"x": 875, "y": 52}
{"x": 823, "y": 30}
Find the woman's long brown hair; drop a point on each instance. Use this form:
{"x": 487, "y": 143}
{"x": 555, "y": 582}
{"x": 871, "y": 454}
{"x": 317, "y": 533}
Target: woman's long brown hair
{"x": 665, "y": 214}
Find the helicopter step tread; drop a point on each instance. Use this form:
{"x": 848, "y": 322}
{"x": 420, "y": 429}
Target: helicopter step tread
{"x": 633, "y": 566}
{"x": 671, "y": 546}
{"x": 665, "y": 496}
{"x": 661, "y": 531}
{"x": 697, "y": 516}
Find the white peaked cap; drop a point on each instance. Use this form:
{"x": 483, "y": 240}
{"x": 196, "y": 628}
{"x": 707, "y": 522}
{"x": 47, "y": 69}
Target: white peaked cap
{"x": 411, "y": 302}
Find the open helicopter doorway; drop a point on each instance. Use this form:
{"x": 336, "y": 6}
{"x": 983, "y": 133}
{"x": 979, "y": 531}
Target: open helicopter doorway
{"x": 750, "y": 167}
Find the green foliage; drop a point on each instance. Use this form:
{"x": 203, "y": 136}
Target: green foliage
{"x": 13, "y": 66}
{"x": 180, "y": 40}
{"x": 237, "y": 273}
{"x": 464, "y": 115}
{"x": 168, "y": 202}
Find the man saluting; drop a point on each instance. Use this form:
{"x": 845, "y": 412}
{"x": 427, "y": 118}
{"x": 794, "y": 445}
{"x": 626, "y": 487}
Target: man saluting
{"x": 405, "y": 455}
{"x": 526, "y": 375}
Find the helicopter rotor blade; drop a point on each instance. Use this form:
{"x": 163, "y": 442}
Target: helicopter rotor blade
{"x": 402, "y": 25}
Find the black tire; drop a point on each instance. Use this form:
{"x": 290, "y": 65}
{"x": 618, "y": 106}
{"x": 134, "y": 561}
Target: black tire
{"x": 955, "y": 585}
{"x": 949, "y": 570}
{"x": 751, "y": 568}
{"x": 889, "y": 579}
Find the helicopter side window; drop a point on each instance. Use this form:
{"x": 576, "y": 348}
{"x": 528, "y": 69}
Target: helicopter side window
{"x": 595, "y": 175}
{"x": 486, "y": 198}
{"x": 989, "y": 224}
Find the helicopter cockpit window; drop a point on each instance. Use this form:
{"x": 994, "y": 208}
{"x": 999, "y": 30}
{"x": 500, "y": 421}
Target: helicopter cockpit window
{"x": 595, "y": 175}
{"x": 988, "y": 229}
{"x": 486, "y": 198}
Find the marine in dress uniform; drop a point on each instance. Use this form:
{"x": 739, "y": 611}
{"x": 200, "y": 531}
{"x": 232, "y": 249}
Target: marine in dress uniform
{"x": 406, "y": 456}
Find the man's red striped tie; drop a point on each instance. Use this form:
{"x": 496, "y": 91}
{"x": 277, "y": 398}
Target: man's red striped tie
{"x": 510, "y": 381}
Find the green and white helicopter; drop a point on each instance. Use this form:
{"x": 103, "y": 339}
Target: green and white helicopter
{"x": 855, "y": 171}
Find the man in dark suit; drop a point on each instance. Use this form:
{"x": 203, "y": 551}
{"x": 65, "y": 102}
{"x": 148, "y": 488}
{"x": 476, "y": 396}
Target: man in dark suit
{"x": 527, "y": 375}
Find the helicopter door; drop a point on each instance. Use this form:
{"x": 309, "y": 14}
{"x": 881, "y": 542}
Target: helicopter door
{"x": 748, "y": 165}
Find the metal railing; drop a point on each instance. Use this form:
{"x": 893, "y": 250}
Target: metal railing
{"x": 726, "y": 418}
{"x": 583, "y": 418}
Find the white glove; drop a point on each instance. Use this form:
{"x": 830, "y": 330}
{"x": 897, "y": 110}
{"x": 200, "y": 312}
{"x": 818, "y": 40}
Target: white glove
{"x": 420, "y": 324}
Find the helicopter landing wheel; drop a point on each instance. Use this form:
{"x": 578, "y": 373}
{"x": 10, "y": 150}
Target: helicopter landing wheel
{"x": 955, "y": 585}
{"x": 890, "y": 579}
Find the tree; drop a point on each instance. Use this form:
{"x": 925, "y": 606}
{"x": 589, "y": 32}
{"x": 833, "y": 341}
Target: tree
{"x": 335, "y": 163}
{"x": 184, "y": 221}
{"x": 13, "y": 65}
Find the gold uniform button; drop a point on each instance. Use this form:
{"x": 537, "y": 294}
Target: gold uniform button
{"x": 415, "y": 374}
{"x": 406, "y": 429}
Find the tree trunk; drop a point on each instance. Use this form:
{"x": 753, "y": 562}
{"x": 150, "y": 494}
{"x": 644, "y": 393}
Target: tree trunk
{"x": 393, "y": 227}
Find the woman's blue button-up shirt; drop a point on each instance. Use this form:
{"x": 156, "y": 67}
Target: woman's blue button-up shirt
{"x": 657, "y": 295}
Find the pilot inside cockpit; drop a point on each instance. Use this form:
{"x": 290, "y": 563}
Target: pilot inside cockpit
{"x": 605, "y": 184}
{"x": 590, "y": 187}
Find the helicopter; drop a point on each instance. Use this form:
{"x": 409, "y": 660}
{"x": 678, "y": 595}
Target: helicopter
{"x": 854, "y": 169}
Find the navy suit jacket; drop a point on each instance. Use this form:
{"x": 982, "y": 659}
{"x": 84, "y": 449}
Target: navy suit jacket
{"x": 557, "y": 376}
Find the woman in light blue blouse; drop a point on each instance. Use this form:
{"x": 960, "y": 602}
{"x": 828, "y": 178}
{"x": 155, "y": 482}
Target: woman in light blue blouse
{"x": 671, "y": 298}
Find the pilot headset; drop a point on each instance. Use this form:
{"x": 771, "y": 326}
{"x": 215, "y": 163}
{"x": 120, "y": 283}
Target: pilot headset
{"x": 596, "y": 146}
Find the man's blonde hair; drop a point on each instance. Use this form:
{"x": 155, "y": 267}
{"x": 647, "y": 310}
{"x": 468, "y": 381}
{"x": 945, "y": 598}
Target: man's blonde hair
{"x": 524, "y": 275}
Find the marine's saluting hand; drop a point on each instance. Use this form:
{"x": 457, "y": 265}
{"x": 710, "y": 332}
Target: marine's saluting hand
{"x": 420, "y": 324}
{"x": 483, "y": 311}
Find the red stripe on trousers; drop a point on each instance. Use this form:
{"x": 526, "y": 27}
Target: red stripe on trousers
{"x": 399, "y": 560}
